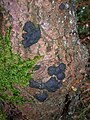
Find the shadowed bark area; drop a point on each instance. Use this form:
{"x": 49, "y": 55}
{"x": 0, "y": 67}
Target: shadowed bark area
{"x": 59, "y": 43}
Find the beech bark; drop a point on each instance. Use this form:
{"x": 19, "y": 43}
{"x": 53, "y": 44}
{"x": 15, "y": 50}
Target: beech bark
{"x": 59, "y": 43}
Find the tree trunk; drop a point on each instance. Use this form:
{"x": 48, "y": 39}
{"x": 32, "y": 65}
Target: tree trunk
{"x": 59, "y": 43}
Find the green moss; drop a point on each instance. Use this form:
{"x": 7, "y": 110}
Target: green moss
{"x": 83, "y": 18}
{"x": 2, "y": 116}
{"x": 13, "y": 70}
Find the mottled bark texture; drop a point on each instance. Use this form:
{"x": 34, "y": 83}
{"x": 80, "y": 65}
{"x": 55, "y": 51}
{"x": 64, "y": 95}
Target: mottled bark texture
{"x": 59, "y": 42}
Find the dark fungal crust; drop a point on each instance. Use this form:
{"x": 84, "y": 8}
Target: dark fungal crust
{"x": 57, "y": 71}
{"x": 61, "y": 76}
{"x": 35, "y": 84}
{"x": 62, "y": 66}
{"x": 42, "y": 86}
{"x": 51, "y": 70}
{"x": 52, "y": 84}
{"x": 41, "y": 96}
{"x": 32, "y": 35}
{"x": 62, "y": 6}
{"x": 29, "y": 27}
{"x": 30, "y": 39}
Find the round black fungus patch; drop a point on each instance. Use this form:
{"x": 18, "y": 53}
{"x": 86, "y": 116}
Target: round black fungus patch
{"x": 52, "y": 84}
{"x": 37, "y": 67}
{"x": 62, "y": 66}
{"x": 41, "y": 96}
{"x": 31, "y": 38}
{"x": 62, "y": 6}
{"x": 51, "y": 70}
{"x": 29, "y": 27}
{"x": 42, "y": 86}
{"x": 61, "y": 76}
{"x": 32, "y": 35}
{"x": 34, "y": 84}
{"x": 57, "y": 71}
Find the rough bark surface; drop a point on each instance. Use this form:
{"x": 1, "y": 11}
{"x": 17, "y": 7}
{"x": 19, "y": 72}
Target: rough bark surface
{"x": 59, "y": 43}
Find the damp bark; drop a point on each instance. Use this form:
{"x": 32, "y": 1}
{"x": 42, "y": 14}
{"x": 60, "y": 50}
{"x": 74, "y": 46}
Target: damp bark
{"x": 59, "y": 43}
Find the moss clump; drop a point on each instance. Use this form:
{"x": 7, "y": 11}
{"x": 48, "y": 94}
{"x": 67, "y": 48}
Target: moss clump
{"x": 2, "y": 116}
{"x": 83, "y": 18}
{"x": 13, "y": 70}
